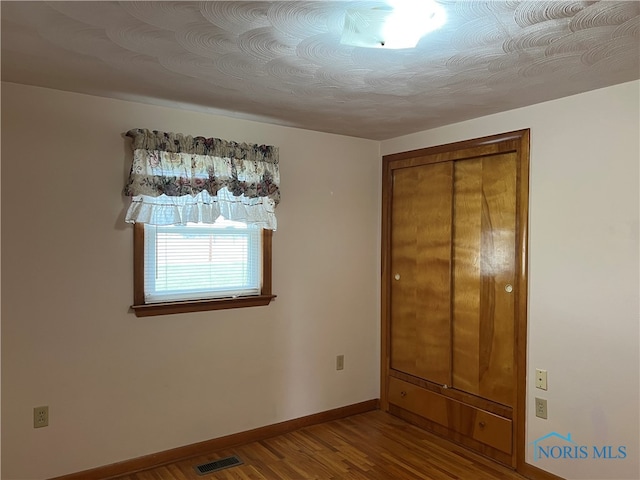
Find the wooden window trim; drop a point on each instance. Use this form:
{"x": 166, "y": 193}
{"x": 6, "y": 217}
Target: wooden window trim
{"x": 143, "y": 309}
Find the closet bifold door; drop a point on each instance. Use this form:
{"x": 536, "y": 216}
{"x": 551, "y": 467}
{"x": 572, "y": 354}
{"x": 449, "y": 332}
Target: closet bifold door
{"x": 484, "y": 276}
{"x": 420, "y": 263}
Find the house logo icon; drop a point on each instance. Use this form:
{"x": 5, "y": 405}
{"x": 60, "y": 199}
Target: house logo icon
{"x": 537, "y": 441}
{"x": 554, "y": 446}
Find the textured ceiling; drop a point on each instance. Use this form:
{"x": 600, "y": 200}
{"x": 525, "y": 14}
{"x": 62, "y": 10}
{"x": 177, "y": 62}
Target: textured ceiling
{"x": 282, "y": 62}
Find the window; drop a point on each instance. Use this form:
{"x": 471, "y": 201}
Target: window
{"x": 198, "y": 261}
{"x": 200, "y": 267}
{"x": 203, "y": 211}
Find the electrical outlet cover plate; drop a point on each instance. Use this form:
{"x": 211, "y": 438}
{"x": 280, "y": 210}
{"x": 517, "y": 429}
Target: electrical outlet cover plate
{"x": 541, "y": 379}
{"x": 340, "y": 362}
{"x": 541, "y": 408}
{"x": 40, "y": 417}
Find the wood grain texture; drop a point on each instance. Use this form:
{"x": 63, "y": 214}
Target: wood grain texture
{"x": 459, "y": 150}
{"x": 484, "y": 264}
{"x": 200, "y": 449}
{"x": 369, "y": 446}
{"x": 459, "y": 395}
{"x": 267, "y": 249}
{"x": 142, "y": 309}
{"x": 522, "y": 275}
{"x": 385, "y": 284}
{"x": 421, "y": 271}
{"x": 515, "y": 144}
{"x": 138, "y": 264}
{"x": 474, "y": 423}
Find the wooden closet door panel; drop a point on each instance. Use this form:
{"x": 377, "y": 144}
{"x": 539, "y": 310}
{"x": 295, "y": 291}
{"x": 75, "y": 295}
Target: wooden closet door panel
{"x": 421, "y": 271}
{"x": 484, "y": 255}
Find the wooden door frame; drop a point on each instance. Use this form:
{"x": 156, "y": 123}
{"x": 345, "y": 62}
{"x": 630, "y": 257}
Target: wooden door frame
{"x": 519, "y": 142}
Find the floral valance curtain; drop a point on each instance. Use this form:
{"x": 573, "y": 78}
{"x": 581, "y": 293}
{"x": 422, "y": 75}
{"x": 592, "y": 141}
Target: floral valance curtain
{"x": 177, "y": 179}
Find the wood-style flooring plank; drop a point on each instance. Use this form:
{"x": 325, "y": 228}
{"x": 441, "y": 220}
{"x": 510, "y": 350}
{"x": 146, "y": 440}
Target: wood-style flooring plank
{"x": 369, "y": 446}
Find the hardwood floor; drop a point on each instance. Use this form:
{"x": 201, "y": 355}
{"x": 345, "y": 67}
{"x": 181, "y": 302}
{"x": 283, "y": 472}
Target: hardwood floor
{"x": 369, "y": 446}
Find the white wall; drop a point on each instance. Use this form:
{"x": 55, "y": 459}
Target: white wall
{"x": 583, "y": 268}
{"x": 119, "y": 387}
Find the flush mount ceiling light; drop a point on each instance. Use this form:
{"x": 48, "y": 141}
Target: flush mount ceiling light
{"x": 399, "y": 25}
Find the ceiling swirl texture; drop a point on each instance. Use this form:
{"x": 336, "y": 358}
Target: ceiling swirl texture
{"x": 283, "y": 63}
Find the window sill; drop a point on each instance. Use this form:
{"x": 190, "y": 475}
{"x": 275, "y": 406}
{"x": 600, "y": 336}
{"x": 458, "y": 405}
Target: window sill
{"x": 169, "y": 308}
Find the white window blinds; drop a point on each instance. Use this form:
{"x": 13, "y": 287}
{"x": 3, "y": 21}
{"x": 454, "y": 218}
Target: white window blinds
{"x": 201, "y": 261}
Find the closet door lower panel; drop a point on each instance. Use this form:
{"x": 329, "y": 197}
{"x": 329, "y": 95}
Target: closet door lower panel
{"x": 484, "y": 276}
{"x": 474, "y": 423}
{"x": 421, "y": 271}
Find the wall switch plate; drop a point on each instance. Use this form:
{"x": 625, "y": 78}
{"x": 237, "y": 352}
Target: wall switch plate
{"x": 340, "y": 362}
{"x": 541, "y": 379}
{"x": 40, "y": 417}
{"x": 541, "y": 408}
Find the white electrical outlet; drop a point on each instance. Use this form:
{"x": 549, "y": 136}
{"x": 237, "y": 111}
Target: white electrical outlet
{"x": 541, "y": 408}
{"x": 340, "y": 362}
{"x": 541, "y": 379}
{"x": 40, "y": 417}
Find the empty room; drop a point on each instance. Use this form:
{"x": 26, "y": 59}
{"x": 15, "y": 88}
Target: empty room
{"x": 381, "y": 240}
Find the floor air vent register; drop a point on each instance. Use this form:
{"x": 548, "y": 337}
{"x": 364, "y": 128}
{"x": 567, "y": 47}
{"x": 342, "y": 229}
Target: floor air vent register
{"x": 218, "y": 465}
